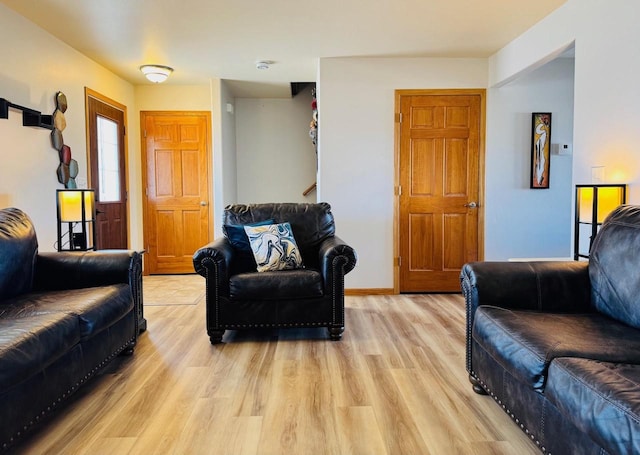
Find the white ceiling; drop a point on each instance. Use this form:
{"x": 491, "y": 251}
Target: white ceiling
{"x": 203, "y": 39}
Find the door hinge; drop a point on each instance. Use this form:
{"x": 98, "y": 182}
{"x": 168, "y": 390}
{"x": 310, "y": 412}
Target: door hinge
{"x": 399, "y": 261}
{"x": 145, "y": 133}
{"x": 399, "y": 117}
{"x": 398, "y": 190}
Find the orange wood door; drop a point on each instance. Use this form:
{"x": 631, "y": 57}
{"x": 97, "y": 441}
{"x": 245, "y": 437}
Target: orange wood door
{"x": 107, "y": 161}
{"x": 439, "y": 168}
{"x": 175, "y": 153}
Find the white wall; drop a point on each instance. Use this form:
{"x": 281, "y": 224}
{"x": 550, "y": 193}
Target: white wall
{"x": 229, "y": 162}
{"x": 276, "y": 160}
{"x": 36, "y": 66}
{"x": 607, "y": 62}
{"x": 520, "y": 222}
{"x": 607, "y": 107}
{"x": 161, "y": 97}
{"x": 356, "y": 99}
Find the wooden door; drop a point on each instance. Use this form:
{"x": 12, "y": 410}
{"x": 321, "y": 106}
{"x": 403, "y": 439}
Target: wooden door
{"x": 176, "y": 155}
{"x": 107, "y": 163}
{"x": 439, "y": 166}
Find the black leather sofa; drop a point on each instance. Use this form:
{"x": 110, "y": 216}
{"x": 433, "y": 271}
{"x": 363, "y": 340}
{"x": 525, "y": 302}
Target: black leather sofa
{"x": 557, "y": 344}
{"x": 239, "y": 297}
{"x": 63, "y": 317}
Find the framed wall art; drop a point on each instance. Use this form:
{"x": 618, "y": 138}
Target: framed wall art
{"x": 540, "y": 149}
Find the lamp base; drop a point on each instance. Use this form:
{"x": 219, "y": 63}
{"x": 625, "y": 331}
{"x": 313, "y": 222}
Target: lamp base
{"x": 79, "y": 241}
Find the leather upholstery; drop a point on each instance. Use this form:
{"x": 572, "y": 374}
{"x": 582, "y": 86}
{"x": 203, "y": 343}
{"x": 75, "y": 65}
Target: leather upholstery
{"x": 542, "y": 286}
{"x": 19, "y": 247}
{"x": 525, "y": 342}
{"x": 613, "y": 255}
{"x": 531, "y": 411}
{"x": 287, "y": 284}
{"x": 557, "y": 344}
{"x": 311, "y": 223}
{"x": 602, "y": 398}
{"x": 63, "y": 317}
{"x": 73, "y": 270}
{"x": 95, "y": 308}
{"x": 309, "y": 297}
{"x": 28, "y": 344}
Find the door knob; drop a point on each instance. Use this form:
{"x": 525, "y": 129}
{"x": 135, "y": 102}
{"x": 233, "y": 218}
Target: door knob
{"x": 471, "y": 205}
{"x": 203, "y": 203}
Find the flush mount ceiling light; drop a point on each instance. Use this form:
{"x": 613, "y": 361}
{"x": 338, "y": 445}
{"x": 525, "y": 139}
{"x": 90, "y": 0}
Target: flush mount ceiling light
{"x": 156, "y": 73}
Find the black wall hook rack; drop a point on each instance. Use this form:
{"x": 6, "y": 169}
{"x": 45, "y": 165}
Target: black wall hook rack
{"x": 30, "y": 117}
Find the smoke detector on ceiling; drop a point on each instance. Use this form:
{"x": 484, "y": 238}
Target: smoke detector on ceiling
{"x": 263, "y": 64}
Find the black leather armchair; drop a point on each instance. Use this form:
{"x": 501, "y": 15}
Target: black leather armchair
{"x": 239, "y": 297}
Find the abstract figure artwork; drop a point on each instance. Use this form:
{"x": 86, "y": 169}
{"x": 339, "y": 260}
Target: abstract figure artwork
{"x": 68, "y": 169}
{"x": 540, "y": 147}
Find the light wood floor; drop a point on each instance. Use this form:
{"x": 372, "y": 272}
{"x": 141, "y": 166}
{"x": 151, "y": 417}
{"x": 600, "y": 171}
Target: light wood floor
{"x": 395, "y": 384}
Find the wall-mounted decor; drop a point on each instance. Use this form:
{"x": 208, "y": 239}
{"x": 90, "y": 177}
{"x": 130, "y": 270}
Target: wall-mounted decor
{"x": 30, "y": 117}
{"x": 68, "y": 168}
{"x": 540, "y": 147}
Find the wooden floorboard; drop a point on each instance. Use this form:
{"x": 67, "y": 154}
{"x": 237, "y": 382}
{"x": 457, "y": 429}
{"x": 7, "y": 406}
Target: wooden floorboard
{"x": 395, "y": 384}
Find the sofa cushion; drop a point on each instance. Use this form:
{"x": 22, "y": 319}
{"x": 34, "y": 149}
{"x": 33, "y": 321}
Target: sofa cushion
{"x": 274, "y": 247}
{"x": 243, "y": 260}
{"x": 613, "y": 266}
{"x": 525, "y": 342}
{"x": 95, "y": 308}
{"x": 238, "y": 238}
{"x": 19, "y": 248}
{"x": 286, "y": 284}
{"x": 599, "y": 398}
{"x": 30, "y": 343}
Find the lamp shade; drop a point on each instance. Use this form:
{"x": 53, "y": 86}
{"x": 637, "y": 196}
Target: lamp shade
{"x": 156, "y": 73}
{"x": 608, "y": 198}
{"x": 76, "y": 219}
{"x": 585, "y": 204}
{"x": 70, "y": 205}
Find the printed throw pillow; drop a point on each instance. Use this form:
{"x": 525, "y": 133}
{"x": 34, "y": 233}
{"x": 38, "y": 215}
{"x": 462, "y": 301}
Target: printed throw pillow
{"x": 274, "y": 247}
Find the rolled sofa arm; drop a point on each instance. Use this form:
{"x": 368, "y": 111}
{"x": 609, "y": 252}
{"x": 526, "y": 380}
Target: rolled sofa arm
{"x": 213, "y": 261}
{"x": 336, "y": 260}
{"x": 543, "y": 286}
{"x": 552, "y": 286}
{"x": 74, "y": 270}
